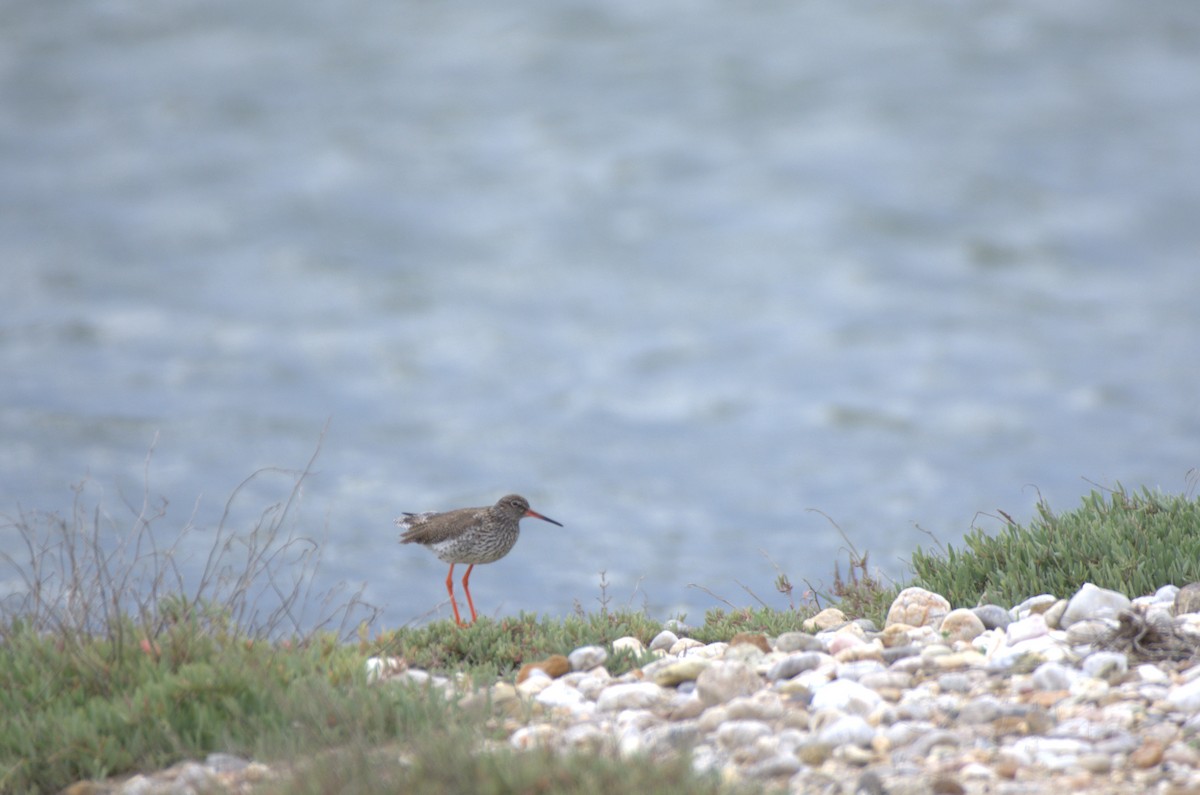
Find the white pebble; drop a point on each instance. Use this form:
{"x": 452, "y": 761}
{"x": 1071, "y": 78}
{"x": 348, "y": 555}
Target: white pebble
{"x": 1107, "y": 665}
{"x": 1053, "y": 676}
{"x": 844, "y": 695}
{"x": 848, "y": 730}
{"x": 1027, "y": 628}
{"x": 587, "y": 657}
{"x": 1186, "y": 697}
{"x": 664, "y": 640}
{"x": 637, "y": 695}
{"x": 739, "y": 733}
{"x": 1091, "y": 601}
{"x": 629, "y": 644}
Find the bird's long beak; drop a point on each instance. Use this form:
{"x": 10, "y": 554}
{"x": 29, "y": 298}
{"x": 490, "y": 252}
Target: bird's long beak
{"x": 537, "y": 515}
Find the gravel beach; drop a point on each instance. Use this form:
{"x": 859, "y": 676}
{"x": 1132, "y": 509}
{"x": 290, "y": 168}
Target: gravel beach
{"x": 1095, "y": 692}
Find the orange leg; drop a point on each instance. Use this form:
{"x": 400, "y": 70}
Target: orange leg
{"x": 450, "y": 590}
{"x": 467, "y": 588}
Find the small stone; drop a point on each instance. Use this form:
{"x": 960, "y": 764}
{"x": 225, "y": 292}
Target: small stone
{"x": 993, "y": 616}
{"x": 681, "y": 646}
{"x": 84, "y": 788}
{"x": 634, "y": 695}
{"x": 587, "y": 657}
{"x": 1007, "y": 767}
{"x": 867, "y": 625}
{"x": 841, "y": 641}
{"x": 553, "y": 666}
{"x": 848, "y": 730}
{"x": 629, "y": 644}
{"x": 763, "y": 705}
{"x": 857, "y": 669}
{"x": 738, "y": 733}
{"x": 1152, "y": 674}
{"x": 686, "y": 708}
{"x": 712, "y": 718}
{"x": 1188, "y": 599}
{"x": 1091, "y": 601}
{"x": 1149, "y": 754}
{"x": 869, "y": 783}
{"x": 895, "y": 653}
{"x": 138, "y": 785}
{"x": 798, "y": 641}
{"x": 957, "y": 682}
{"x": 1026, "y": 628}
{"x": 664, "y": 640}
{"x": 1095, "y": 763}
{"x": 193, "y": 775}
{"x": 585, "y": 737}
{"x": 960, "y": 659}
{"x": 560, "y": 694}
{"x": 539, "y": 735}
{"x": 889, "y": 680}
{"x": 896, "y": 635}
{"x": 225, "y": 763}
{"x": 1186, "y": 697}
{"x": 743, "y": 652}
{"x": 795, "y": 664}
{"x": 984, "y": 709}
{"x": 596, "y": 680}
{"x": 828, "y": 618}
{"x": 774, "y": 767}
{"x": 1110, "y": 666}
{"x": 846, "y": 696}
{"x": 669, "y": 738}
{"x": 946, "y": 785}
{"x": 961, "y": 624}
{"x": 711, "y": 651}
{"x": 1054, "y": 614}
{"x": 928, "y": 740}
{"x": 677, "y": 671}
{"x": 1053, "y": 676}
{"x": 755, "y": 639}
{"x": 677, "y": 626}
{"x": 1034, "y": 604}
{"x": 863, "y": 652}
{"x": 917, "y": 607}
{"x": 723, "y": 681}
{"x": 814, "y": 754}
{"x": 854, "y": 755}
{"x": 1089, "y": 631}
{"x": 382, "y": 669}
{"x": 535, "y": 682}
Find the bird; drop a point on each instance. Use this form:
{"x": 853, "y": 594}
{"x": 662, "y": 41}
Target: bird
{"x": 469, "y": 535}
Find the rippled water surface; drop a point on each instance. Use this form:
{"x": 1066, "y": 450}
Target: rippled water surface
{"x": 676, "y": 272}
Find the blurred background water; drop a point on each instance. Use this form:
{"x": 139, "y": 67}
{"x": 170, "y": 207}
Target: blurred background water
{"x": 677, "y": 272}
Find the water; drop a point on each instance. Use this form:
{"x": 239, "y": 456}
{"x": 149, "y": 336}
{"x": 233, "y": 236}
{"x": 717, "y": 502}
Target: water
{"x": 677, "y": 273}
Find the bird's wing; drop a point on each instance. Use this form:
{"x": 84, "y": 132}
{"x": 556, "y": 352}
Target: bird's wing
{"x": 431, "y": 527}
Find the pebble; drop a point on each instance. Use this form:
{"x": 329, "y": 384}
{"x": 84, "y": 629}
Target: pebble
{"x": 993, "y": 616}
{"x": 1016, "y": 701}
{"x": 917, "y": 607}
{"x": 723, "y": 681}
{"x": 664, "y": 640}
{"x": 586, "y": 657}
{"x": 1091, "y": 601}
{"x": 961, "y": 624}
{"x": 846, "y": 696}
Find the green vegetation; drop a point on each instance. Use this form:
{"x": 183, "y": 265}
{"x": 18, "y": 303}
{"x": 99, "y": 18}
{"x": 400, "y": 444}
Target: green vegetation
{"x": 1132, "y": 543}
{"x": 112, "y": 662}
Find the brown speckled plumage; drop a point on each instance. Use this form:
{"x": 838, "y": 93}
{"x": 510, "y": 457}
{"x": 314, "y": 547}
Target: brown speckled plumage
{"x": 469, "y": 535}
